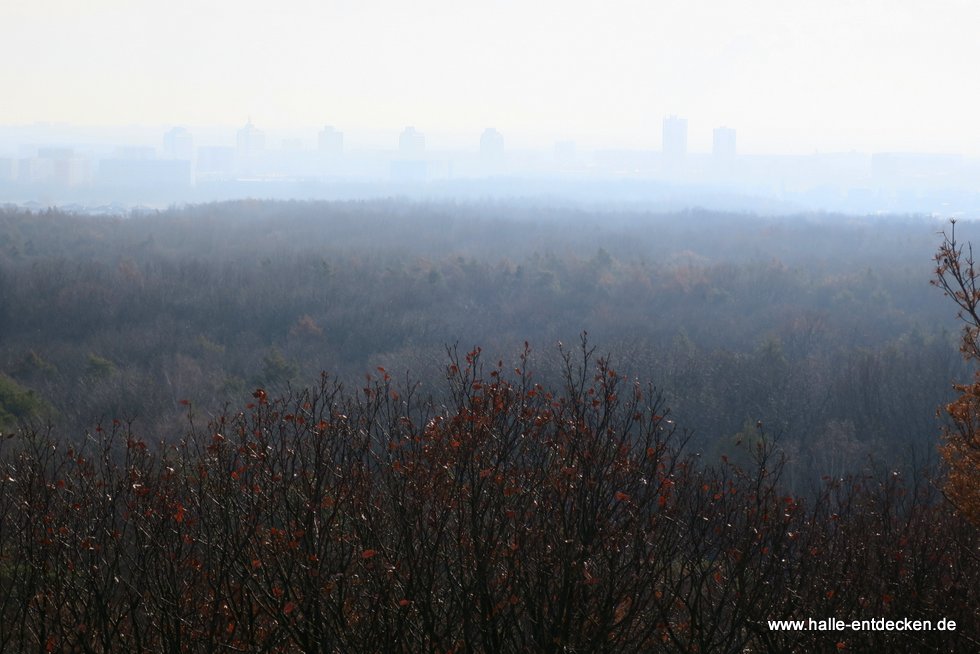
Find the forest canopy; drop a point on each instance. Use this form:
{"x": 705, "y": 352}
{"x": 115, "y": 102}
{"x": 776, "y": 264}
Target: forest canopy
{"x": 823, "y": 327}
{"x": 394, "y": 426}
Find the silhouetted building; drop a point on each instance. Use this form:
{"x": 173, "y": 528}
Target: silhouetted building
{"x": 55, "y": 154}
{"x": 675, "y": 137}
{"x": 250, "y": 141}
{"x": 178, "y": 144}
{"x": 54, "y": 166}
{"x": 491, "y": 143}
{"x": 215, "y": 160}
{"x": 8, "y": 170}
{"x": 411, "y": 143}
{"x": 723, "y": 143}
{"x": 135, "y": 153}
{"x": 330, "y": 140}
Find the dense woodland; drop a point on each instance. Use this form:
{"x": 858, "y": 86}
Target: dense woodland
{"x": 823, "y": 327}
{"x": 395, "y": 426}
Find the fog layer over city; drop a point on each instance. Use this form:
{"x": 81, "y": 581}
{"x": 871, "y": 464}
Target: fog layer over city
{"x": 839, "y": 106}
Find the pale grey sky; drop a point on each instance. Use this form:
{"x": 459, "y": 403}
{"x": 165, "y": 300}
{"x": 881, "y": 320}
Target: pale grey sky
{"x": 789, "y": 75}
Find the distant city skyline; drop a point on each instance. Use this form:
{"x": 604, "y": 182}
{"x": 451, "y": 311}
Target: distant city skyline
{"x": 814, "y": 75}
{"x": 179, "y": 141}
{"x": 83, "y": 168}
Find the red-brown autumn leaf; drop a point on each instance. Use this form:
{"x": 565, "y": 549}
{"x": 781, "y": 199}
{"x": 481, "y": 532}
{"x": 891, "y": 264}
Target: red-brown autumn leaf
{"x": 368, "y": 554}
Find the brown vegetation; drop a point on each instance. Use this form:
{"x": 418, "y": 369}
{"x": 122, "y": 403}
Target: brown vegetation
{"x": 513, "y": 517}
{"x": 957, "y": 275}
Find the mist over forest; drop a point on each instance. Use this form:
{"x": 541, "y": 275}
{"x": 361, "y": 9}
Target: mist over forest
{"x": 823, "y": 327}
{"x": 399, "y": 425}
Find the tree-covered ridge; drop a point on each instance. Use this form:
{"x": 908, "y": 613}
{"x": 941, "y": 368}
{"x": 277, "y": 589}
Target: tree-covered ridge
{"x": 823, "y": 327}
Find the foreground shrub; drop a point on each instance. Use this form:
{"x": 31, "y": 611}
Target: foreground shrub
{"x": 508, "y": 518}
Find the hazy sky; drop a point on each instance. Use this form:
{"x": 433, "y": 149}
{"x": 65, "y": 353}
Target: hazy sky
{"x": 789, "y": 75}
